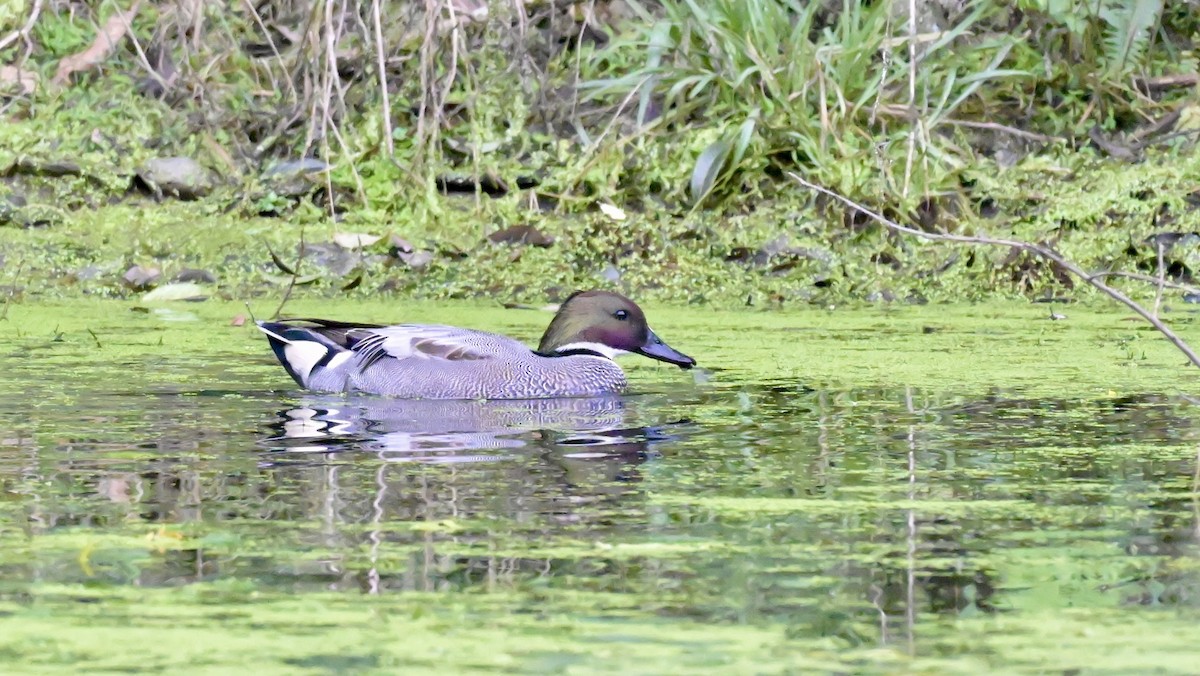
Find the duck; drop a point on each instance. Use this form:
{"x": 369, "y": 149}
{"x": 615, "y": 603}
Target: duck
{"x": 576, "y": 356}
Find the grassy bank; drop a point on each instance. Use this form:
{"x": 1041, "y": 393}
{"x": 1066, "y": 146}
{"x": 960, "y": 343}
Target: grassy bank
{"x": 494, "y": 139}
{"x": 785, "y": 251}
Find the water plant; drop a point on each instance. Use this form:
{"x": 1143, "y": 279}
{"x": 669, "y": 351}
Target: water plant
{"x": 853, "y": 97}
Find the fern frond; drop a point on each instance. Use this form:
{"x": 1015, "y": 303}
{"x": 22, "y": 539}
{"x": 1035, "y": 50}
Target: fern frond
{"x": 1131, "y": 23}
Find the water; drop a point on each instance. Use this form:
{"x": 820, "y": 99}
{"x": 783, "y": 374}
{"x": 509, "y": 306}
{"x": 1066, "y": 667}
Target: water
{"x": 913, "y": 490}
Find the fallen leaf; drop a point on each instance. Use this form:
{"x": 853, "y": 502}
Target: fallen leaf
{"x": 355, "y": 240}
{"x": 238, "y": 320}
{"x": 612, "y": 212}
{"x": 176, "y": 291}
{"x": 25, "y": 80}
{"x": 708, "y": 168}
{"x": 279, "y": 263}
{"x": 111, "y": 33}
{"x": 85, "y": 559}
{"x": 300, "y": 280}
{"x": 52, "y": 168}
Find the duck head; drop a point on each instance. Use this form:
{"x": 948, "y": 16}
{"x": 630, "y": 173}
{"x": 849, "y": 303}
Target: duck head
{"x": 606, "y": 323}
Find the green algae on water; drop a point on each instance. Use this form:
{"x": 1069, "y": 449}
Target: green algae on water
{"x": 916, "y": 489}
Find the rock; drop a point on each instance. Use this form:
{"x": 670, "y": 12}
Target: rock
{"x": 331, "y": 257}
{"x": 308, "y": 165}
{"x": 295, "y": 178}
{"x": 10, "y": 206}
{"x": 1170, "y": 239}
{"x": 417, "y": 260}
{"x": 40, "y": 216}
{"x": 18, "y": 79}
{"x": 140, "y": 278}
{"x": 15, "y": 211}
{"x": 50, "y": 168}
{"x": 197, "y": 276}
{"x": 521, "y": 234}
{"x": 87, "y": 273}
{"x": 180, "y": 177}
{"x": 413, "y": 258}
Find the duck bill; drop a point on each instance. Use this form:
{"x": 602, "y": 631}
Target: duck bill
{"x": 655, "y": 348}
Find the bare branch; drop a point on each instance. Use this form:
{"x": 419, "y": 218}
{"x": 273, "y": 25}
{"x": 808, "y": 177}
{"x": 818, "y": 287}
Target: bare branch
{"x": 381, "y": 65}
{"x": 1012, "y": 131}
{"x": 1148, "y": 278}
{"x": 1161, "y": 278}
{"x": 1035, "y": 249}
{"x": 914, "y": 120}
{"x": 23, "y": 31}
{"x": 274, "y": 50}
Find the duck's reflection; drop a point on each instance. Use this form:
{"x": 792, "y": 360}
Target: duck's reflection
{"x": 466, "y": 431}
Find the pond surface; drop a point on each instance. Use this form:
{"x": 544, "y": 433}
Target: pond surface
{"x": 913, "y": 489}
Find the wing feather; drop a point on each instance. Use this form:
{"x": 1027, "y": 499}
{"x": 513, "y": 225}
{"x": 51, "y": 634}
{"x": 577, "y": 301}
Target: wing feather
{"x": 426, "y": 341}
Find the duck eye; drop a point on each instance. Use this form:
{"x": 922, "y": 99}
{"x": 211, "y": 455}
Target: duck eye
{"x": 621, "y": 315}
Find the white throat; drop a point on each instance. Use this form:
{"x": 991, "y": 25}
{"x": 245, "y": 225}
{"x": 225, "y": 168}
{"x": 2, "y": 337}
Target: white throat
{"x": 598, "y": 348}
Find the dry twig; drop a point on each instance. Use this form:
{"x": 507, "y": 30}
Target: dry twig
{"x": 279, "y": 61}
{"x": 914, "y": 120}
{"x": 1188, "y": 288}
{"x": 295, "y": 269}
{"x": 381, "y": 65}
{"x": 1005, "y": 129}
{"x": 1161, "y": 278}
{"x": 23, "y": 31}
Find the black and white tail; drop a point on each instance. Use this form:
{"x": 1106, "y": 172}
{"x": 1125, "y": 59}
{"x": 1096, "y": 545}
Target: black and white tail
{"x": 302, "y": 351}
